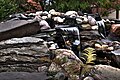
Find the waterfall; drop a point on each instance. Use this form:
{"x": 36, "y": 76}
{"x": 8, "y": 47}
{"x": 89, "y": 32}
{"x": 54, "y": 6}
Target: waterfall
{"x": 101, "y": 28}
{"x": 71, "y": 38}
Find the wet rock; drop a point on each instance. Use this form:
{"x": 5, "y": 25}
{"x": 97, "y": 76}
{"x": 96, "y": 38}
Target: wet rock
{"x": 60, "y": 76}
{"x": 22, "y": 54}
{"x": 116, "y": 52}
{"x": 88, "y": 78}
{"x": 115, "y": 58}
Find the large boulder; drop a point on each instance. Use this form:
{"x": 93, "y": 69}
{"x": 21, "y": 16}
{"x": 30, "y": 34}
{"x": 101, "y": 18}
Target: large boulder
{"x": 67, "y": 62}
{"x": 105, "y": 72}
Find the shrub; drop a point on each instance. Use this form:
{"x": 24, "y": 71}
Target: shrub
{"x": 7, "y": 7}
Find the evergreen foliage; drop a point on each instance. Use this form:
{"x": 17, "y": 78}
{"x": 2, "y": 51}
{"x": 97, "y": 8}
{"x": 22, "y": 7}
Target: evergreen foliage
{"x": 84, "y": 5}
{"x": 7, "y": 7}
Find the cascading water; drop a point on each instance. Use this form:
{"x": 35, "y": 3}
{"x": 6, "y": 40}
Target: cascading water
{"x": 101, "y": 26}
{"x": 69, "y": 38}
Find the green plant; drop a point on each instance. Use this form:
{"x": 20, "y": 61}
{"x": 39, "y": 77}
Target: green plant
{"x": 89, "y": 55}
{"x": 64, "y": 5}
{"x": 84, "y": 5}
{"x": 7, "y": 7}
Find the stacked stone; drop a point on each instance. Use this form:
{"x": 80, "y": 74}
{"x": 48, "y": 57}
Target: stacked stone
{"x": 22, "y": 54}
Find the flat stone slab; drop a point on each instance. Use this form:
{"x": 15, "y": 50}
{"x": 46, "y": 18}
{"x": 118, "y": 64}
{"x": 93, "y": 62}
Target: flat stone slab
{"x": 21, "y": 40}
{"x": 18, "y": 28}
{"x": 11, "y": 24}
{"x": 22, "y": 76}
